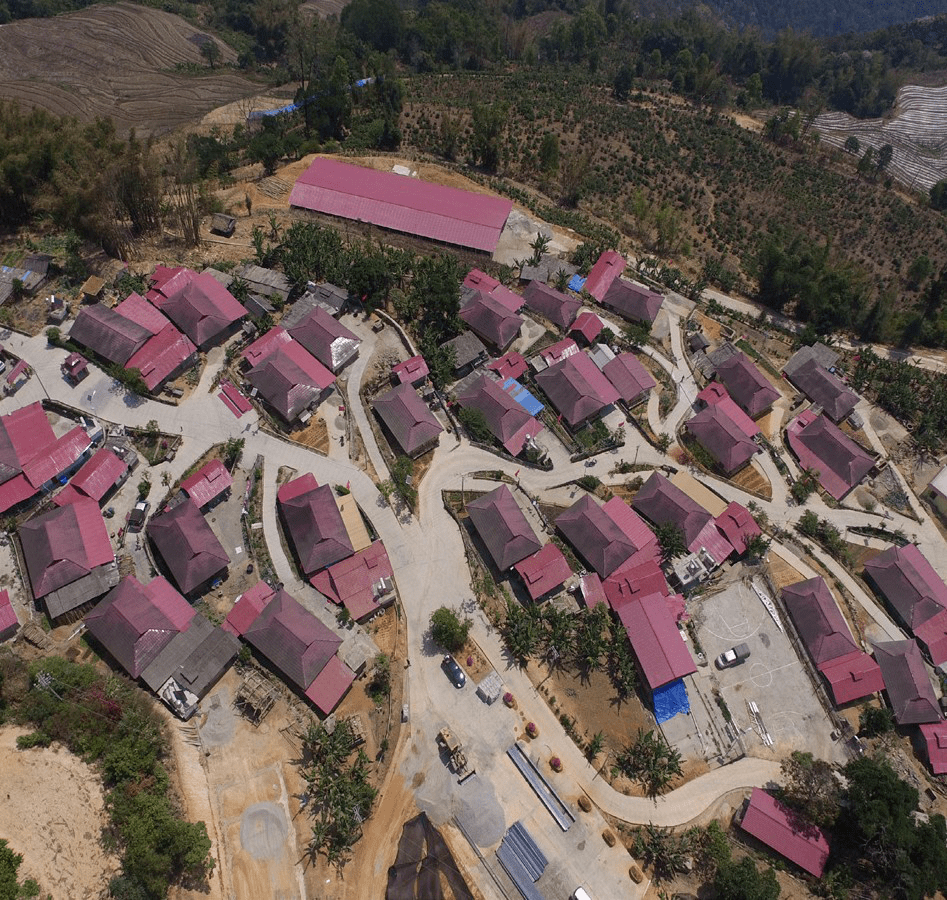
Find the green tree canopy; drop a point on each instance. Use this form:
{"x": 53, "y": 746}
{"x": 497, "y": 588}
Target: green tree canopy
{"x": 449, "y": 629}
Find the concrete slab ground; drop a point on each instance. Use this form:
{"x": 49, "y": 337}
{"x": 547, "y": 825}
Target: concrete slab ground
{"x": 773, "y": 677}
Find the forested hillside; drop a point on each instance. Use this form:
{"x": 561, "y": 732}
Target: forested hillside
{"x": 820, "y": 18}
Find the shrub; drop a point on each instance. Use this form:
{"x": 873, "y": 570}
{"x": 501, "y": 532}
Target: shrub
{"x": 449, "y": 630}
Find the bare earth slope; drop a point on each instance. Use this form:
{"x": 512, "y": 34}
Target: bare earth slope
{"x": 115, "y": 61}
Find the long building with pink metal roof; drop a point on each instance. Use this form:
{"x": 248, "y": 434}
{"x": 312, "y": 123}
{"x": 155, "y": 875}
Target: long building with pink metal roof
{"x": 444, "y": 214}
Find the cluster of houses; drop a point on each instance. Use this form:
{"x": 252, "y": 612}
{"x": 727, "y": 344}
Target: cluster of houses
{"x": 153, "y": 631}
{"x": 624, "y": 565}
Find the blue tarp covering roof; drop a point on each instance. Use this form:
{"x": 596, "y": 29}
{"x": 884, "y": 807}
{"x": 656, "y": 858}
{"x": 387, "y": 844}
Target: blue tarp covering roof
{"x": 266, "y": 113}
{"x": 576, "y": 283}
{"x": 522, "y": 396}
{"x": 670, "y": 700}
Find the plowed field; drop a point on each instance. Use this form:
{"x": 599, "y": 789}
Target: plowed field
{"x": 117, "y": 61}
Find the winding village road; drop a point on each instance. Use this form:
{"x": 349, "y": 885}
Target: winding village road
{"x": 428, "y": 556}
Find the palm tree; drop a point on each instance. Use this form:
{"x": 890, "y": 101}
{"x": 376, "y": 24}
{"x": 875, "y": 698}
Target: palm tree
{"x": 521, "y": 631}
{"x": 595, "y": 746}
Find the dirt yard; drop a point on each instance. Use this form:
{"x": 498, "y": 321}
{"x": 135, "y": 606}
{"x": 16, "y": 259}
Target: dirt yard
{"x": 118, "y": 61}
{"x": 52, "y": 811}
{"x": 752, "y": 478}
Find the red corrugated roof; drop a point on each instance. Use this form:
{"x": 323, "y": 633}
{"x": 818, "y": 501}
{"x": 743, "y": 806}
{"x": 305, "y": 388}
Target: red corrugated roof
{"x": 208, "y": 482}
{"x": 98, "y": 475}
{"x": 852, "y": 677}
{"x": 29, "y": 432}
{"x": 631, "y": 524}
{"x": 935, "y": 742}
{"x": 411, "y": 371}
{"x": 711, "y": 539}
{"x": 264, "y": 345}
{"x": 737, "y": 526}
{"x": 160, "y": 356}
{"x": 593, "y": 591}
{"x": 16, "y": 371}
{"x": 821, "y": 445}
{"x": 544, "y": 571}
{"x": 559, "y": 351}
{"x": 352, "y": 581}
{"x": 510, "y": 365}
{"x": 634, "y": 583}
{"x": 588, "y": 325}
{"x": 402, "y": 204}
{"x": 138, "y": 310}
{"x": 577, "y": 388}
{"x": 330, "y": 685}
{"x": 247, "y": 607}
{"x": 240, "y": 403}
{"x": 630, "y": 378}
{"x": 655, "y": 638}
{"x": 786, "y": 832}
{"x": 932, "y": 635}
{"x": 606, "y": 269}
{"x": 295, "y": 488}
{"x": 56, "y": 458}
{"x": 715, "y": 394}
{"x": 8, "y": 619}
{"x": 501, "y": 293}
{"x": 15, "y": 491}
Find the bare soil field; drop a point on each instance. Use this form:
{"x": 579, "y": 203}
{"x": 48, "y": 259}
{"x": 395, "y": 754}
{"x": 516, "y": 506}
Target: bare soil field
{"x": 754, "y": 480}
{"x": 117, "y": 61}
{"x": 52, "y": 811}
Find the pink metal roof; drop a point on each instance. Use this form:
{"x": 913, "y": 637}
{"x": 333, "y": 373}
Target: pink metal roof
{"x": 577, "y": 388}
{"x": 159, "y": 357}
{"x": 16, "y": 371}
{"x": 711, "y": 539}
{"x": 593, "y": 591}
{"x": 264, "y": 345}
{"x": 207, "y": 483}
{"x": 29, "y": 432}
{"x": 634, "y": 583}
{"x": 96, "y": 476}
{"x": 15, "y": 491}
{"x": 64, "y": 545}
{"x": 655, "y": 638}
{"x": 935, "y": 743}
{"x": 631, "y": 524}
{"x": 239, "y": 402}
{"x": 352, "y": 581}
{"x": 932, "y": 636}
{"x": 296, "y": 488}
{"x": 411, "y": 371}
{"x": 785, "y": 832}
{"x": 629, "y": 377}
{"x": 588, "y": 325}
{"x": 247, "y": 607}
{"x": 544, "y": 570}
{"x": 8, "y": 619}
{"x": 138, "y": 310}
{"x": 819, "y": 444}
{"x": 330, "y": 685}
{"x": 402, "y": 204}
{"x": 510, "y": 365}
{"x": 559, "y": 351}
{"x": 56, "y": 458}
{"x": 852, "y": 677}
{"x": 482, "y": 282}
{"x": 715, "y": 394}
{"x": 606, "y": 269}
{"x": 737, "y": 526}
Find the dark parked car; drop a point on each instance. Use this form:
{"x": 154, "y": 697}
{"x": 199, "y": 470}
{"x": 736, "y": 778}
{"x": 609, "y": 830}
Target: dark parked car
{"x": 454, "y": 672}
{"x": 138, "y": 515}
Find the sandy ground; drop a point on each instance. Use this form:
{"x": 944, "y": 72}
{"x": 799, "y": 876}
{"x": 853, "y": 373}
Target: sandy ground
{"x": 52, "y": 811}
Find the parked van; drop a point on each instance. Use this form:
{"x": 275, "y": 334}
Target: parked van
{"x": 580, "y": 893}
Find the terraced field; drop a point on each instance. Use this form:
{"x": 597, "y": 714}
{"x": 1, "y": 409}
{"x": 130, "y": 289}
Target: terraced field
{"x": 117, "y": 61}
{"x": 917, "y": 132}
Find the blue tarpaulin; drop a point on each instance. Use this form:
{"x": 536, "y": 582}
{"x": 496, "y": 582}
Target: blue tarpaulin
{"x": 670, "y": 700}
{"x": 292, "y": 107}
{"x": 576, "y": 283}
{"x": 522, "y": 396}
